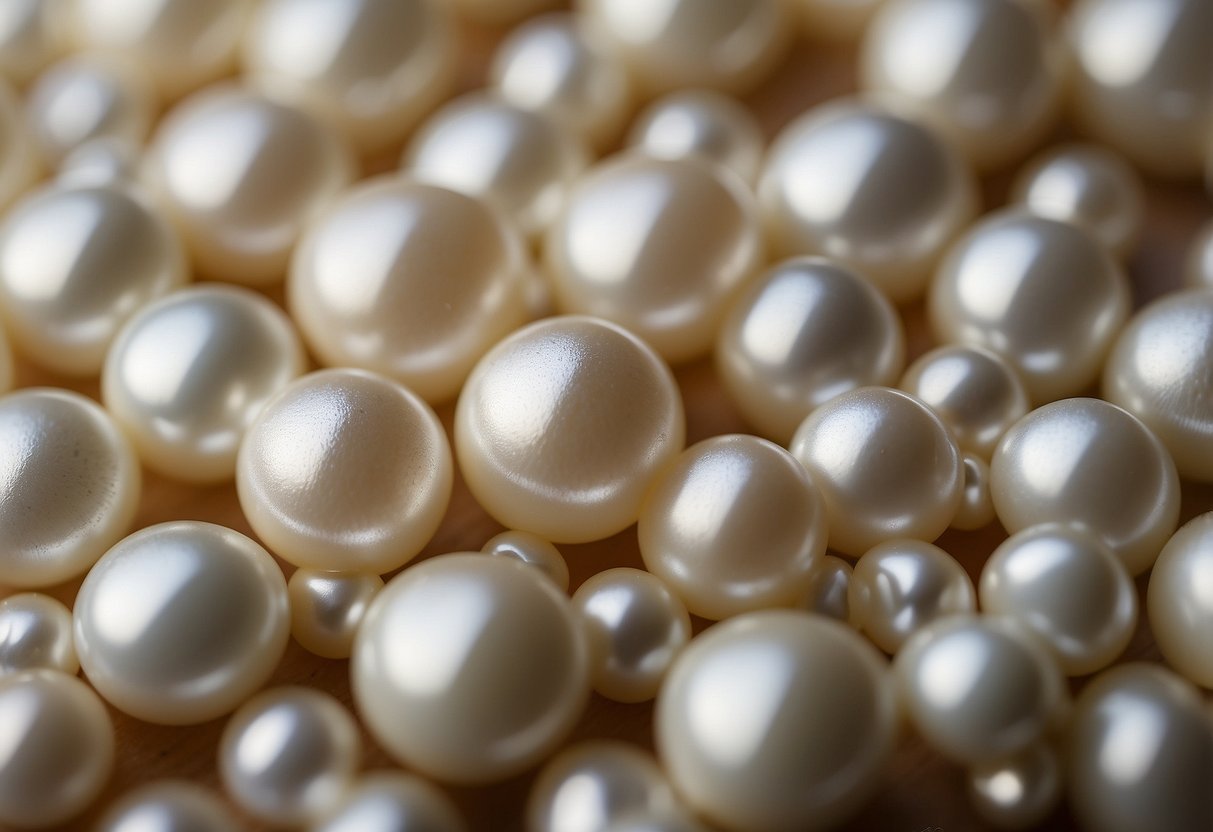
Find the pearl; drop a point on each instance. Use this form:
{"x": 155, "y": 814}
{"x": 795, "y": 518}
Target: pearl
{"x": 470, "y": 669}
{"x": 327, "y": 609}
{"x": 532, "y": 550}
{"x": 885, "y": 465}
{"x": 1088, "y": 463}
{"x": 744, "y": 712}
{"x": 187, "y": 375}
{"x": 241, "y": 176}
{"x": 836, "y": 20}
{"x": 591, "y": 785}
{"x": 701, "y": 123}
{"x": 897, "y": 194}
{"x": 70, "y": 484}
{"x": 803, "y": 333}
{"x": 1019, "y": 792}
{"x": 733, "y": 524}
{"x": 345, "y": 471}
{"x": 562, "y": 425}
{"x": 289, "y": 755}
{"x": 1043, "y": 294}
{"x": 35, "y": 633}
{"x": 18, "y": 155}
{"x": 635, "y": 626}
{"x": 659, "y": 246}
{"x": 1198, "y": 266}
{"x": 499, "y": 12}
{"x": 102, "y": 161}
{"x": 169, "y": 806}
{"x": 976, "y": 509}
{"x": 1178, "y": 601}
{"x": 829, "y": 588}
{"x": 1069, "y": 589}
{"x": 180, "y": 622}
{"x": 409, "y": 280}
{"x": 31, "y": 36}
{"x": 392, "y": 801}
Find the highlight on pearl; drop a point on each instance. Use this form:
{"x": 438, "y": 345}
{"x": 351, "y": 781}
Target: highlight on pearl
{"x": 36, "y": 633}
{"x": 589, "y": 786}
{"x": 1019, "y": 792}
{"x": 1178, "y": 603}
{"x": 327, "y": 609}
{"x": 395, "y": 802}
{"x": 701, "y": 123}
{"x": 829, "y": 588}
{"x": 976, "y": 509}
{"x": 532, "y": 550}
{"x": 168, "y": 806}
{"x": 31, "y": 36}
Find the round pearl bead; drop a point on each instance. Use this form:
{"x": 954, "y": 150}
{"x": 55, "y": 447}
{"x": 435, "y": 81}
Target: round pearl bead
{"x": 1198, "y": 266}
{"x": 168, "y": 806}
{"x": 392, "y": 801}
{"x": 36, "y": 633}
{"x": 532, "y": 550}
{"x": 1019, "y": 792}
{"x": 701, "y": 123}
{"x": 1179, "y": 603}
{"x": 19, "y": 164}
{"x": 591, "y": 785}
{"x": 829, "y": 588}
{"x": 327, "y": 609}
{"x": 32, "y": 34}
{"x": 102, "y": 161}
{"x": 976, "y": 510}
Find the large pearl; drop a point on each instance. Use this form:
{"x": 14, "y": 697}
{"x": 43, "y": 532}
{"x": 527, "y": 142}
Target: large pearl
{"x": 19, "y": 164}
{"x": 805, "y": 332}
{"x": 1091, "y": 464}
{"x": 187, "y": 375}
{"x": 469, "y": 668}
{"x": 885, "y": 465}
{"x": 327, "y": 609}
{"x": 701, "y": 123}
{"x": 976, "y": 509}
{"x": 69, "y": 486}
{"x": 1180, "y": 604}
{"x": 32, "y": 34}
{"x": 829, "y": 588}
{"x": 36, "y": 633}
{"x": 733, "y": 524}
{"x": 897, "y": 195}
{"x": 591, "y": 785}
{"x": 1019, "y": 792}
{"x": 180, "y": 622}
{"x": 659, "y": 246}
{"x": 392, "y": 801}
{"x": 532, "y": 550}
{"x": 753, "y": 737}
{"x": 562, "y": 426}
{"x": 409, "y": 280}
{"x": 1198, "y": 265}
{"x": 1043, "y": 294}
{"x": 168, "y": 806}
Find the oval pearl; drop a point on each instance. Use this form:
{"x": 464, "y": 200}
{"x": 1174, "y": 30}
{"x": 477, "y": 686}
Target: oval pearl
{"x": 765, "y": 670}
{"x": 470, "y": 669}
{"x": 1043, "y": 294}
{"x": 701, "y": 123}
{"x": 1019, "y": 792}
{"x": 829, "y": 588}
{"x": 733, "y": 524}
{"x": 327, "y": 609}
{"x": 532, "y": 550}
{"x": 885, "y": 465}
{"x": 976, "y": 510}
{"x": 392, "y": 801}
{"x": 1088, "y": 463}
{"x": 561, "y": 427}
{"x": 32, "y": 34}
{"x": 409, "y": 280}
{"x": 1198, "y": 265}
{"x": 180, "y": 622}
{"x": 60, "y": 453}
{"x": 187, "y": 375}
{"x": 1179, "y": 603}
{"x": 169, "y": 806}
{"x": 1069, "y": 589}
{"x": 588, "y": 786}
{"x": 102, "y": 161}
{"x": 36, "y": 633}
{"x": 659, "y": 246}
{"x": 803, "y": 333}
{"x": 19, "y": 163}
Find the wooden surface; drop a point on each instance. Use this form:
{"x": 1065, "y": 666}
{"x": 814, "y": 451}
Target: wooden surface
{"x": 921, "y": 791}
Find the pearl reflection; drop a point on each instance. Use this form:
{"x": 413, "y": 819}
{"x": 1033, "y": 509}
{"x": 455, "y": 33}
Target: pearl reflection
{"x": 262, "y": 743}
{"x": 1134, "y": 739}
{"x": 853, "y": 147}
{"x": 1048, "y": 465}
{"x": 947, "y": 677}
{"x": 756, "y": 673}
{"x": 1130, "y": 40}
{"x": 244, "y": 130}
{"x": 993, "y": 273}
{"x": 607, "y": 253}
{"x": 124, "y": 618}
{"x": 44, "y": 258}
{"x": 774, "y": 326}
{"x": 927, "y": 73}
{"x": 459, "y": 610}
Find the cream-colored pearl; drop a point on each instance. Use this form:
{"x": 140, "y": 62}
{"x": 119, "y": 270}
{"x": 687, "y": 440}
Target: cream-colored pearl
{"x": 976, "y": 510}
{"x": 32, "y": 34}
{"x": 1143, "y": 79}
{"x": 885, "y": 465}
{"x": 1043, "y": 294}
{"x": 1067, "y": 587}
{"x": 1019, "y": 792}
{"x": 733, "y": 524}
{"x": 409, "y": 280}
{"x": 327, "y": 609}
{"x": 187, "y": 375}
{"x": 532, "y": 550}
{"x": 562, "y": 426}
{"x": 241, "y": 176}
{"x": 589, "y": 786}
{"x": 58, "y": 748}
{"x": 745, "y": 714}
{"x": 701, "y": 123}
{"x": 180, "y": 622}
{"x": 1180, "y": 603}
{"x": 805, "y": 332}
{"x": 829, "y": 588}
{"x": 836, "y": 20}
{"x": 347, "y": 471}
{"x": 169, "y": 806}
{"x": 1091, "y": 464}
{"x": 19, "y": 163}
{"x": 392, "y": 801}
{"x": 36, "y": 632}
{"x": 499, "y": 12}
{"x": 102, "y": 161}
{"x": 70, "y": 481}
{"x": 659, "y": 246}
{"x": 1198, "y": 265}
{"x": 469, "y": 668}
{"x": 896, "y": 194}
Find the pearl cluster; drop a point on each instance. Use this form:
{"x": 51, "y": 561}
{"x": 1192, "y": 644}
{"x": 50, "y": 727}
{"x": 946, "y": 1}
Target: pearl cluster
{"x": 508, "y": 296}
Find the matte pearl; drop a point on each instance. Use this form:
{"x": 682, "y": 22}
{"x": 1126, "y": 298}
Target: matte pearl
{"x": 803, "y": 333}
{"x": 593, "y": 784}
{"x": 885, "y": 465}
{"x": 187, "y": 375}
{"x": 562, "y": 426}
{"x": 392, "y": 801}
{"x": 976, "y": 510}
{"x": 1019, "y": 792}
{"x": 1088, "y": 463}
{"x": 36, "y": 633}
{"x": 836, "y": 20}
{"x": 180, "y": 622}
{"x": 31, "y": 36}
{"x": 829, "y": 588}
{"x": 532, "y": 550}
{"x": 470, "y": 669}
{"x": 701, "y": 123}
{"x": 733, "y": 524}
{"x": 1043, "y": 294}
{"x": 1064, "y": 585}
{"x": 102, "y": 161}
{"x": 659, "y": 246}
{"x": 327, "y": 609}
{"x": 169, "y": 806}
{"x": 897, "y": 194}
{"x": 1179, "y": 602}
{"x": 63, "y": 454}
{"x": 1198, "y": 265}
{"x": 784, "y": 726}
{"x": 19, "y": 164}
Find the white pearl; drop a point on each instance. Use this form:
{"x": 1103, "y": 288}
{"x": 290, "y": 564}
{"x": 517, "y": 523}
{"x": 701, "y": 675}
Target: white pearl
{"x": 976, "y": 510}
{"x": 1019, "y": 792}
{"x": 345, "y": 471}
{"x": 392, "y": 801}
{"x": 181, "y": 622}
{"x": 327, "y": 609}
{"x": 532, "y": 550}
{"x": 1198, "y": 265}
{"x": 469, "y": 668}
{"x": 701, "y": 123}
{"x": 169, "y": 806}
{"x": 836, "y": 20}
{"x": 19, "y": 164}
{"x": 744, "y": 713}
{"x": 32, "y": 34}
{"x": 71, "y": 483}
{"x": 102, "y": 161}
{"x": 36, "y": 632}
{"x": 591, "y": 785}
{"x": 1179, "y": 603}
{"x": 829, "y": 588}
{"x": 187, "y": 375}
{"x": 1089, "y": 463}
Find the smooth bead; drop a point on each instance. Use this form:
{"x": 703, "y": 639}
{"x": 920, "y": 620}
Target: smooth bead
{"x": 701, "y": 123}
{"x": 102, "y": 161}
{"x": 36, "y": 633}
{"x": 1019, "y": 792}
{"x": 32, "y": 34}
{"x": 589, "y": 786}
{"x": 532, "y": 550}
{"x": 169, "y": 806}
{"x": 19, "y": 163}
{"x": 1198, "y": 265}
{"x": 1180, "y": 603}
{"x": 976, "y": 510}
{"x": 836, "y": 20}
{"x": 327, "y": 609}
{"x": 392, "y": 801}
{"x": 829, "y": 589}
{"x": 181, "y": 622}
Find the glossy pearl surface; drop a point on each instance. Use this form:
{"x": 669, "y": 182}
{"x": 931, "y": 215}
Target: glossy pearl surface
{"x": 345, "y": 470}
{"x": 587, "y": 787}
{"x": 18, "y": 156}
{"x": 31, "y": 36}
{"x": 102, "y": 161}
{"x": 1198, "y": 265}
{"x": 1091, "y": 464}
{"x": 1179, "y": 602}
{"x": 829, "y": 589}
{"x": 180, "y": 622}
{"x": 327, "y": 609}
{"x": 1019, "y": 792}
{"x": 36, "y": 633}
{"x": 976, "y": 510}
{"x": 701, "y": 123}
{"x": 168, "y": 806}
{"x": 532, "y": 550}
{"x": 561, "y": 427}
{"x": 392, "y": 801}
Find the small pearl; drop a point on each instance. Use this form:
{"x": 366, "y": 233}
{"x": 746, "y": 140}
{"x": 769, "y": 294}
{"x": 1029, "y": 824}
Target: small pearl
{"x": 327, "y": 609}
{"x": 499, "y": 12}
{"x": 181, "y": 622}
{"x": 733, "y": 524}
{"x": 593, "y": 784}
{"x": 470, "y": 669}
{"x": 1179, "y": 603}
{"x": 836, "y": 20}
{"x": 1088, "y": 463}
{"x": 392, "y": 801}
{"x": 1019, "y": 792}
{"x": 976, "y": 509}
{"x": 1198, "y": 266}
{"x": 701, "y": 123}
{"x": 829, "y": 588}
{"x": 169, "y": 806}
{"x": 32, "y": 34}
{"x": 36, "y": 633}
{"x": 532, "y": 550}
{"x": 19, "y": 163}
{"x": 101, "y": 161}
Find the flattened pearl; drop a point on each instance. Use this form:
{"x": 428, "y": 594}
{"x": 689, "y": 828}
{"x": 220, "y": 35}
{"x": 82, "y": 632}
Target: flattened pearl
{"x": 19, "y": 166}
{"x": 36, "y": 633}
{"x": 1179, "y": 601}
{"x": 327, "y": 609}
{"x": 589, "y": 786}
{"x": 532, "y": 550}
{"x": 1019, "y": 792}
{"x": 829, "y": 588}
{"x": 1198, "y": 266}
{"x": 392, "y": 801}
{"x": 701, "y": 123}
{"x": 169, "y": 806}
{"x": 31, "y": 36}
